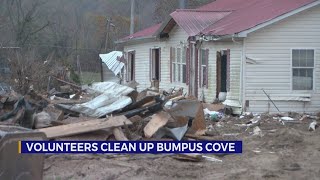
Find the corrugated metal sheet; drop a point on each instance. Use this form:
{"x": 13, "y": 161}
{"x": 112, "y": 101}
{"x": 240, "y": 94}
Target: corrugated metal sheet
{"x": 194, "y": 21}
{"x": 112, "y": 62}
{"x": 247, "y": 14}
{"x": 113, "y": 97}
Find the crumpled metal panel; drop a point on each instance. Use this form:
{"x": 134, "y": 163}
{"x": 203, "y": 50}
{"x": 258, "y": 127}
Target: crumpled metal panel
{"x": 111, "y": 88}
{"x": 100, "y": 106}
{"x": 15, "y": 166}
{"x": 113, "y": 98}
{"x": 111, "y": 60}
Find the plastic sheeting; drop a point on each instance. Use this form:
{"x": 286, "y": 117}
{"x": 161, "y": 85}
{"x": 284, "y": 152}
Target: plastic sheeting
{"x": 113, "y": 98}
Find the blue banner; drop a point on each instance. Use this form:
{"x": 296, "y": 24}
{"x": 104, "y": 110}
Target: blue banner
{"x": 130, "y": 147}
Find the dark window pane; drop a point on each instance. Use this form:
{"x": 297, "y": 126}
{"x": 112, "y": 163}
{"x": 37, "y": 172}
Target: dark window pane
{"x": 295, "y": 72}
{"x": 184, "y": 55}
{"x": 295, "y": 58}
{"x": 179, "y": 72}
{"x": 184, "y": 73}
{"x": 174, "y": 72}
{"x": 310, "y": 58}
{"x": 303, "y": 58}
{"x": 204, "y": 75}
{"x": 178, "y": 55}
{"x": 302, "y": 79}
{"x": 203, "y": 57}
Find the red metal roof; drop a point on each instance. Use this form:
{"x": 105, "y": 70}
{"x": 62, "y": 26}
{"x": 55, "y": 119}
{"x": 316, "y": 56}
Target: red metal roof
{"x": 150, "y": 31}
{"x": 194, "y": 21}
{"x": 225, "y": 17}
{"x": 247, "y": 14}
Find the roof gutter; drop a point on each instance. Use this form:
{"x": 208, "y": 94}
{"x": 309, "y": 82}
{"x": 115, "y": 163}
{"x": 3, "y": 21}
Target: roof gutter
{"x": 136, "y": 40}
{"x": 215, "y": 37}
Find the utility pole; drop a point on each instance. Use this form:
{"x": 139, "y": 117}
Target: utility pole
{"x": 109, "y": 21}
{"x": 133, "y": 4}
{"x": 107, "y": 34}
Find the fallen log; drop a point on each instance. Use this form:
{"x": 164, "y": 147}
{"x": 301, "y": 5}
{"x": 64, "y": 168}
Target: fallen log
{"x": 84, "y": 127}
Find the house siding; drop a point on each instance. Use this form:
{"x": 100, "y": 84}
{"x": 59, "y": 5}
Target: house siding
{"x": 177, "y": 38}
{"x": 235, "y": 65}
{"x": 142, "y": 62}
{"x": 270, "y": 48}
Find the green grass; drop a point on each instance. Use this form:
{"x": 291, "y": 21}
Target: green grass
{"x": 90, "y": 77}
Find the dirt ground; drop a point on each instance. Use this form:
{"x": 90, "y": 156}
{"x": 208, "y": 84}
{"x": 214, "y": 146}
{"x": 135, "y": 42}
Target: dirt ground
{"x": 287, "y": 151}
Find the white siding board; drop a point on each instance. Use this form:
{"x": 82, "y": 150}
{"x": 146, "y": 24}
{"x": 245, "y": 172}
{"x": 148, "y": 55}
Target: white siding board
{"x": 176, "y": 36}
{"x": 271, "y": 48}
{"x": 142, "y": 62}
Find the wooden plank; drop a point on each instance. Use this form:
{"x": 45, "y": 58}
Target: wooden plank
{"x": 199, "y": 122}
{"x": 119, "y": 135}
{"x": 158, "y": 120}
{"x": 83, "y": 127}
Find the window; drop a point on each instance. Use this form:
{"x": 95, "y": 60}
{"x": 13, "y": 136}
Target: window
{"x": 155, "y": 64}
{"x": 302, "y": 69}
{"x": 203, "y": 68}
{"x": 179, "y": 67}
{"x": 131, "y": 66}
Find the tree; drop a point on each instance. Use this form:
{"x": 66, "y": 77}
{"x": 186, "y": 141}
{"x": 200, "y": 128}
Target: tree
{"x": 25, "y": 19}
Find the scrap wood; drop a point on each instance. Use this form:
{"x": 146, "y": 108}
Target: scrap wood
{"x": 177, "y": 98}
{"x": 199, "y": 124}
{"x": 158, "y": 120}
{"x": 119, "y": 135}
{"x": 84, "y": 127}
{"x": 177, "y": 121}
{"x": 100, "y": 135}
{"x": 135, "y": 119}
{"x": 149, "y": 103}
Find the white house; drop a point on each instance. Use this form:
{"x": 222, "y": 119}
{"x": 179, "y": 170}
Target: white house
{"x": 242, "y": 47}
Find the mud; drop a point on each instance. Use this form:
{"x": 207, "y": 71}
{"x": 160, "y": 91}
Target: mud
{"x": 287, "y": 151}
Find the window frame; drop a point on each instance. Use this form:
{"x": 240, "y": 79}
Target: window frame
{"x": 176, "y": 64}
{"x": 313, "y": 69}
{"x": 131, "y": 72}
{"x": 203, "y": 52}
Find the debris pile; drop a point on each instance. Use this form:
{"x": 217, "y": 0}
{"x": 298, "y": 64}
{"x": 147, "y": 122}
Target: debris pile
{"x": 110, "y": 111}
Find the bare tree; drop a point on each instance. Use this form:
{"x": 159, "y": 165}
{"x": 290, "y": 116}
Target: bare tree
{"x": 24, "y": 19}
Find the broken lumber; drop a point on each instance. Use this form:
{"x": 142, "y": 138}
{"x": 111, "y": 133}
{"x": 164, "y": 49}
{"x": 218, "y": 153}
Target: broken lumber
{"x": 158, "y": 120}
{"x": 84, "y": 127}
{"x": 199, "y": 123}
{"x": 119, "y": 135}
